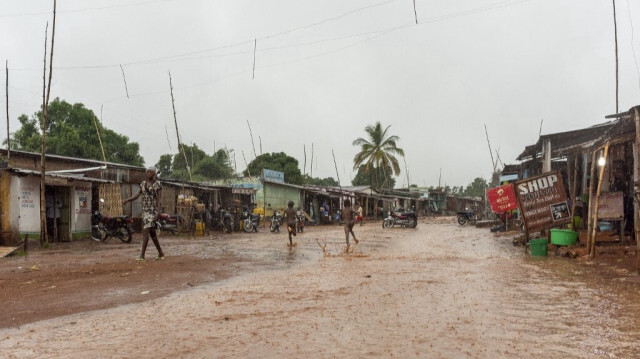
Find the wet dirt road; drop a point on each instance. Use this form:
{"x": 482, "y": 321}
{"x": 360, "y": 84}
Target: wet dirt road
{"x": 437, "y": 291}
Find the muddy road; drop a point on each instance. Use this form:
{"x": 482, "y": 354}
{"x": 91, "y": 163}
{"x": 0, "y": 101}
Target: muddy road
{"x": 437, "y": 291}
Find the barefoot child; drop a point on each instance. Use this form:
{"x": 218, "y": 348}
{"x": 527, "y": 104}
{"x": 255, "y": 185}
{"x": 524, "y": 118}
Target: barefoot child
{"x": 349, "y": 217}
{"x": 290, "y": 216}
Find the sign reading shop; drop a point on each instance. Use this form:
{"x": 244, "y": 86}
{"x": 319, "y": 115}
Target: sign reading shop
{"x": 543, "y": 201}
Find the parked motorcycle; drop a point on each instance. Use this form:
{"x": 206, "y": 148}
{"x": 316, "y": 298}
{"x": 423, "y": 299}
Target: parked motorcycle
{"x": 250, "y": 221}
{"x": 467, "y": 216}
{"x": 168, "y": 223}
{"x": 276, "y": 221}
{"x": 105, "y": 227}
{"x": 401, "y": 218}
{"x": 227, "y": 220}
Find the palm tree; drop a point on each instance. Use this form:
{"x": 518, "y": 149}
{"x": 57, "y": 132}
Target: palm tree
{"x": 377, "y": 153}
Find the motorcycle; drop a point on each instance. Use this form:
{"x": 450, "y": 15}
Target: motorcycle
{"x": 105, "y": 227}
{"x": 227, "y": 220}
{"x": 401, "y": 218}
{"x": 276, "y": 221}
{"x": 467, "y": 216}
{"x": 168, "y": 223}
{"x": 250, "y": 221}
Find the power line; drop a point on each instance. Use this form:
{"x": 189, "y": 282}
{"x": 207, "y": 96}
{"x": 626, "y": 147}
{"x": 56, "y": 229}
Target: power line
{"x": 86, "y": 9}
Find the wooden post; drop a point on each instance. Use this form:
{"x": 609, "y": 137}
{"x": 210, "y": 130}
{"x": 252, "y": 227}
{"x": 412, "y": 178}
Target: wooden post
{"x": 43, "y": 214}
{"x": 574, "y": 183}
{"x": 636, "y": 187}
{"x": 590, "y": 208}
{"x": 7, "y": 93}
{"x": 592, "y": 253}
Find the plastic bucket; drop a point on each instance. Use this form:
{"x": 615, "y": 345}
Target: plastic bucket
{"x": 538, "y": 247}
{"x": 563, "y": 237}
{"x": 199, "y": 229}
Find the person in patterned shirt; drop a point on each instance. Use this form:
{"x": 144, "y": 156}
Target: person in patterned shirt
{"x": 151, "y": 191}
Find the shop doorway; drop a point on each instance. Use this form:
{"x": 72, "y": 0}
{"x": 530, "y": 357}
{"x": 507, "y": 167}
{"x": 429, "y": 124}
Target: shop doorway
{"x": 58, "y": 211}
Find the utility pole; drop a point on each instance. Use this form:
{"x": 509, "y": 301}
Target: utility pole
{"x": 615, "y": 31}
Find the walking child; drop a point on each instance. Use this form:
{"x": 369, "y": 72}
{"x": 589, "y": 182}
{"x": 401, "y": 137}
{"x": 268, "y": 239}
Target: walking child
{"x": 348, "y": 216}
{"x": 290, "y": 216}
{"x": 151, "y": 191}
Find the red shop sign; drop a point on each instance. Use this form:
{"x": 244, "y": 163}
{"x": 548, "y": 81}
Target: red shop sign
{"x": 502, "y": 198}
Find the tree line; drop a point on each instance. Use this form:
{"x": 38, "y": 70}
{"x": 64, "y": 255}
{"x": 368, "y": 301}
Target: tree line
{"x": 71, "y": 131}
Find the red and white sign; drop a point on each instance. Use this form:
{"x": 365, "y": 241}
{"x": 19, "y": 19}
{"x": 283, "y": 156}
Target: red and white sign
{"x": 502, "y": 199}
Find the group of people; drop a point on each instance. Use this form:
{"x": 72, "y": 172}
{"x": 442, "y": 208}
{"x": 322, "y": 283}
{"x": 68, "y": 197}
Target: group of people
{"x": 151, "y": 192}
{"x": 349, "y": 217}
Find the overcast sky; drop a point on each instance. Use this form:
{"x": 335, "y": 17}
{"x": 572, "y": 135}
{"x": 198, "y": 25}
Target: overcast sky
{"x": 326, "y": 69}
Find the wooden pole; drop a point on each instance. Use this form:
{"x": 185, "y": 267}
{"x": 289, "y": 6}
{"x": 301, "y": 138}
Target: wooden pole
{"x": 255, "y": 46}
{"x": 311, "y": 168}
{"x": 336, "y": 165}
{"x": 304, "y": 150}
{"x": 592, "y": 254}
{"x": 252, "y": 143}
{"x": 125, "y": 81}
{"x": 574, "y": 186}
{"x": 99, "y": 138}
{"x": 245, "y": 163}
{"x": 636, "y": 187}
{"x": 7, "y": 93}
{"x": 615, "y": 31}
{"x": 415, "y": 12}
{"x": 43, "y": 205}
{"x": 490, "y": 151}
{"x": 590, "y": 226}
{"x": 175, "y": 120}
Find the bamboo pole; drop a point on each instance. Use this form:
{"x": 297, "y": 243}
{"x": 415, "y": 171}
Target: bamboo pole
{"x": 6, "y": 67}
{"x": 615, "y": 31}
{"x": 592, "y": 253}
{"x": 311, "y": 168}
{"x": 43, "y": 217}
{"x": 573, "y": 192}
{"x": 636, "y": 184}
{"x": 336, "y": 165}
{"x": 591, "y": 197}
{"x": 175, "y": 120}
{"x": 125, "y": 81}
{"x": 415, "y": 12}
{"x": 99, "y": 138}
{"x": 252, "y": 143}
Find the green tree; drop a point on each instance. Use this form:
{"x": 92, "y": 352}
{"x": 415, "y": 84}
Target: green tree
{"x": 477, "y": 188}
{"x": 203, "y": 167}
{"x": 276, "y": 161}
{"x": 71, "y": 132}
{"x": 317, "y": 181}
{"x": 377, "y": 154}
{"x": 366, "y": 177}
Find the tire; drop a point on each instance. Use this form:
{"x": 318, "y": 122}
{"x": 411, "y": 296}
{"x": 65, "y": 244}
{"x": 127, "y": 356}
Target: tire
{"x": 273, "y": 227}
{"x": 414, "y": 223}
{"x": 247, "y": 225}
{"x": 98, "y": 234}
{"x": 126, "y": 234}
{"x": 462, "y": 220}
{"x": 387, "y": 224}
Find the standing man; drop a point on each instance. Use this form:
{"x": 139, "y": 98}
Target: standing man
{"x": 151, "y": 191}
{"x": 360, "y": 215}
{"x": 348, "y": 216}
{"x": 290, "y": 216}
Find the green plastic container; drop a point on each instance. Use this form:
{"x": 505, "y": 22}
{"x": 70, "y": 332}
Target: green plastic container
{"x": 538, "y": 247}
{"x": 563, "y": 237}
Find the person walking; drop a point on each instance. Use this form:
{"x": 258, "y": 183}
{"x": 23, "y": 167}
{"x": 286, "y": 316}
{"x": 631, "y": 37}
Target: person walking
{"x": 348, "y": 216}
{"x": 290, "y": 216}
{"x": 360, "y": 215}
{"x": 151, "y": 191}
